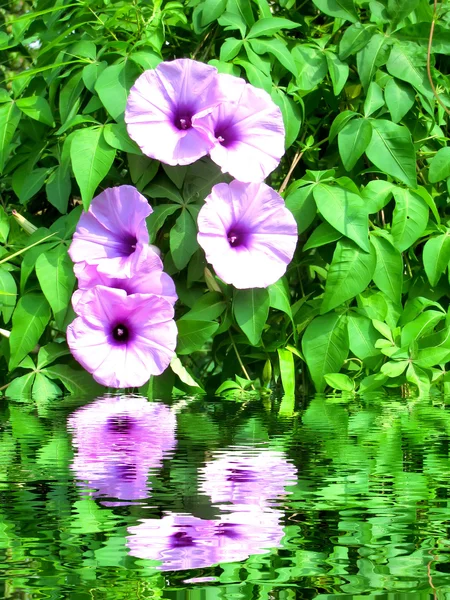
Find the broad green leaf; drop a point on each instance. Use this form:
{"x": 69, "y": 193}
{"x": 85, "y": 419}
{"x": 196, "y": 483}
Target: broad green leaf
{"x": 29, "y": 320}
{"x": 311, "y": 66}
{"x": 50, "y": 352}
{"x": 292, "y": 116}
{"x": 91, "y": 73}
{"x": 409, "y": 219}
{"x": 418, "y": 377}
{"x": 362, "y": 336}
{"x": 44, "y": 388}
{"x": 388, "y": 275}
{"x": 400, "y": 98}
{"x": 113, "y": 87}
{"x": 340, "y": 122}
{"x": 434, "y": 349}
{"x": 419, "y": 33}
{"x": 177, "y": 174}
{"x": 163, "y": 187}
{"x": 353, "y": 140}
{"x": 69, "y": 97}
{"x": 338, "y": 72}
{"x": 436, "y": 256}
{"x": 340, "y": 381}
{"x": 147, "y": 59}
{"x": 440, "y": 165}
{"x": 158, "y": 217}
{"x": 344, "y": 9}
{"x": 230, "y": 48}
{"x": 212, "y": 10}
{"x": 399, "y": 9}
{"x": 377, "y": 194}
{"x": 179, "y": 369}
{"x": 302, "y": 205}
{"x": 117, "y": 137}
{"x": 183, "y": 239}
{"x": 267, "y": 26}
{"x": 207, "y": 308}
{"x": 350, "y": 272}
{"x": 20, "y": 388}
{"x": 76, "y": 381}
{"x": 8, "y": 294}
{"x": 287, "y": 371}
{"x": 394, "y": 368}
{"x": 54, "y": 270}
{"x": 4, "y": 226}
{"x": 58, "y": 188}
{"x": 421, "y": 326}
{"x": 37, "y": 107}
{"x": 279, "y": 296}
{"x": 91, "y": 160}
{"x": 27, "y": 183}
{"x": 374, "y": 99}
{"x": 345, "y": 211}
{"x": 251, "y": 309}
{"x": 200, "y": 178}
{"x": 372, "y": 56}
{"x": 322, "y": 235}
{"x": 192, "y": 335}
{"x": 391, "y": 150}
{"x": 278, "y": 49}
{"x": 403, "y": 64}
{"x": 354, "y": 39}
{"x": 325, "y": 346}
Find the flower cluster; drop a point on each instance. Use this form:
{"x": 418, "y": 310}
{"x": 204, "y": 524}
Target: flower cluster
{"x": 183, "y": 110}
{"x": 125, "y": 330}
{"x": 248, "y": 523}
{"x": 117, "y": 442}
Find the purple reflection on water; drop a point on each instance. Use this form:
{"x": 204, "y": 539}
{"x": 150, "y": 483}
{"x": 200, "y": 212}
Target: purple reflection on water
{"x": 117, "y": 441}
{"x": 246, "y": 476}
{"x": 182, "y": 541}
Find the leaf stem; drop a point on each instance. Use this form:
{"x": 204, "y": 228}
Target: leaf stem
{"x": 430, "y": 43}
{"x": 244, "y": 370}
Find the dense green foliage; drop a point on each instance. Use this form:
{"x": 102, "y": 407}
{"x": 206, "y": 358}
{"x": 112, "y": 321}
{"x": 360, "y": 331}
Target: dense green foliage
{"x": 368, "y": 515}
{"x": 364, "y": 302}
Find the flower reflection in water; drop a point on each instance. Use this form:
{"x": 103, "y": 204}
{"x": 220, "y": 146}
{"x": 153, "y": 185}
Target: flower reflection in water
{"x": 245, "y": 480}
{"x": 117, "y": 441}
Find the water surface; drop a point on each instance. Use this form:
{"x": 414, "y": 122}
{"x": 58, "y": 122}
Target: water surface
{"x": 203, "y": 499}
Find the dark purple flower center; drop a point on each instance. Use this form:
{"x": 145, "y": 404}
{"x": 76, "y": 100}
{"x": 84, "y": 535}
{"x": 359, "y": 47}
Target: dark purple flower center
{"x": 129, "y": 245}
{"x": 126, "y": 472}
{"x": 120, "y": 424}
{"x": 181, "y": 539}
{"x": 236, "y": 238}
{"x": 241, "y": 476}
{"x": 121, "y": 333}
{"x": 226, "y": 136}
{"x": 183, "y": 122}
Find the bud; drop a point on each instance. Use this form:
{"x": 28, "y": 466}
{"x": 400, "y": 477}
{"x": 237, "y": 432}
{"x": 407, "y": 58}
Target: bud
{"x": 24, "y": 223}
{"x": 267, "y": 373}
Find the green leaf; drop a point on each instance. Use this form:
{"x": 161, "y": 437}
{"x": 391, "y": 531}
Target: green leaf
{"x": 340, "y": 122}
{"x": 26, "y": 183}
{"x": 325, "y": 347}
{"x": 44, "y": 388}
{"x": 371, "y": 57}
{"x": 251, "y": 309}
{"x": 8, "y": 294}
{"x": 91, "y": 160}
{"x": 418, "y": 377}
{"x": 50, "y": 352}
{"x": 388, "y": 275}
{"x": 76, "y": 381}
{"x": 419, "y": 33}
{"x": 37, "y": 107}
{"x": 440, "y": 165}
{"x": 311, "y": 66}
{"x": 279, "y": 297}
{"x": 391, "y": 150}
{"x": 345, "y": 211}
{"x": 322, "y": 235}
{"x": 91, "y": 73}
{"x": 54, "y": 270}
{"x": 207, "y": 308}
{"x": 4, "y": 226}
{"x": 399, "y": 9}
{"x": 436, "y": 256}
{"x": 403, "y": 64}
{"x": 355, "y": 38}
{"x": 340, "y": 381}
{"x": 278, "y": 49}
{"x": 147, "y": 59}
{"x": 270, "y": 25}
{"x": 399, "y": 97}
{"x": 287, "y": 371}
{"x": 302, "y": 205}
{"x": 179, "y": 369}
{"x": 113, "y": 87}
{"x": 212, "y": 10}
{"x": 394, "y": 368}
{"x": 409, "y": 219}
{"x": 29, "y": 320}
{"x": 374, "y": 99}
{"x": 69, "y": 97}
{"x": 338, "y": 72}
{"x": 58, "y": 188}
{"x": 353, "y": 140}
{"x": 158, "y": 217}
{"x": 362, "y": 336}
{"x": 421, "y": 326}
{"x": 20, "y": 387}
{"x": 434, "y": 349}
{"x": 344, "y": 9}
{"x": 350, "y": 272}
{"x": 377, "y": 194}
{"x": 230, "y": 48}
{"x": 116, "y": 136}
{"x": 192, "y": 335}
{"x": 183, "y": 239}
{"x": 292, "y": 116}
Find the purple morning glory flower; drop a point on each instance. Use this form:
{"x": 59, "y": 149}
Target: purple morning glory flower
{"x": 182, "y": 541}
{"x": 247, "y": 130}
{"x": 247, "y": 233}
{"x": 117, "y": 440}
{"x": 122, "y": 340}
{"x": 150, "y": 279}
{"x": 163, "y": 105}
{"x": 245, "y": 476}
{"x": 113, "y": 234}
